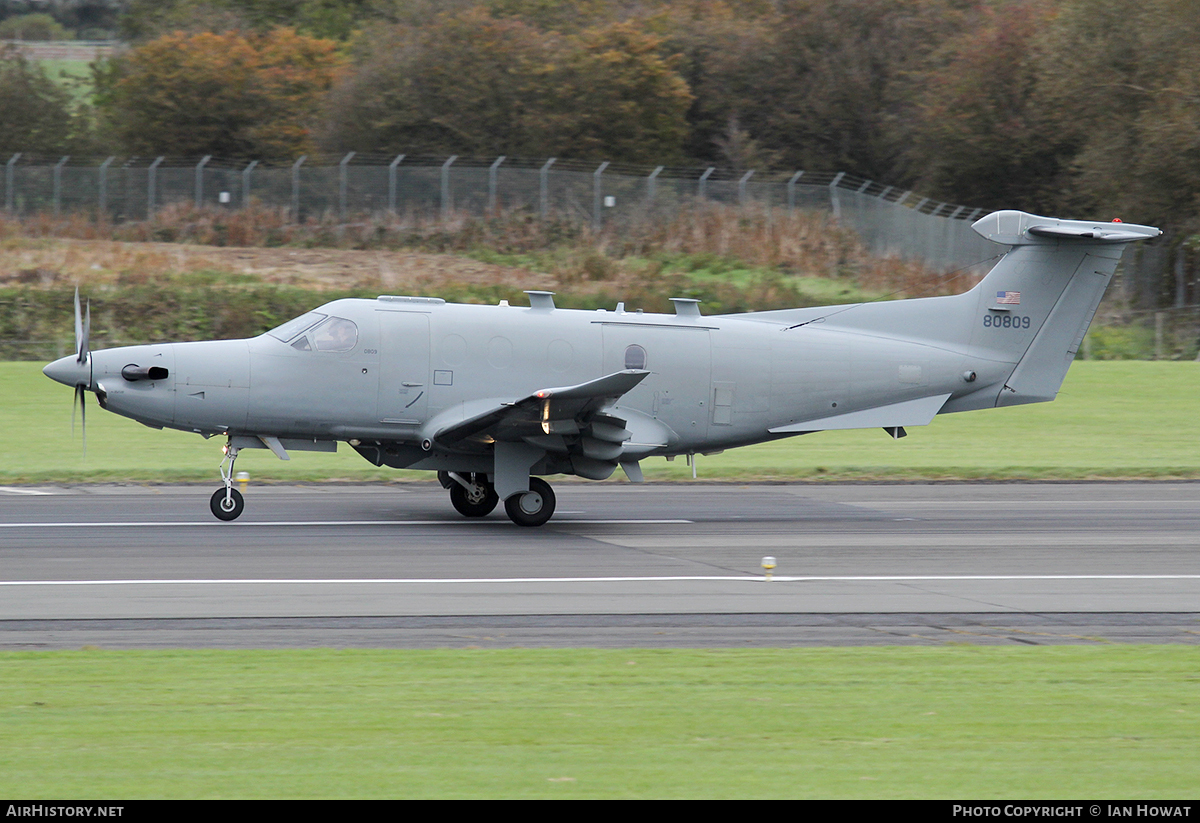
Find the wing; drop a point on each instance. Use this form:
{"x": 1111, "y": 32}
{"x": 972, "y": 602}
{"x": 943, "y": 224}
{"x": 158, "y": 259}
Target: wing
{"x": 546, "y": 415}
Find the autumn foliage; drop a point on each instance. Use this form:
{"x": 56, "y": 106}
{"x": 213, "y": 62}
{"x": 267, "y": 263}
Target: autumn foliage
{"x": 229, "y": 94}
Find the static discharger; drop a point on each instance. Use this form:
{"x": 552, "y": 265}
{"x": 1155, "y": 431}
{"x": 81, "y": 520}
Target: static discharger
{"x": 768, "y": 564}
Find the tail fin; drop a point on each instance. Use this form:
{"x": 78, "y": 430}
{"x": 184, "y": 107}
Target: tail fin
{"x": 1051, "y": 283}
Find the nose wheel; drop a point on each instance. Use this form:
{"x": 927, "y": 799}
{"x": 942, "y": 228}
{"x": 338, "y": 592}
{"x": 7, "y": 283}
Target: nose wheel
{"x": 227, "y": 503}
{"x": 531, "y": 508}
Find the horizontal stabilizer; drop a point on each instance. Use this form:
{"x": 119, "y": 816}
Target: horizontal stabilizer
{"x": 919, "y": 412}
{"x": 1018, "y": 228}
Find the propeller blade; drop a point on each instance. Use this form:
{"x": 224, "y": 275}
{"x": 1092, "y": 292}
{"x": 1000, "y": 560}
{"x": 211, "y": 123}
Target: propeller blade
{"x": 87, "y": 331}
{"x": 78, "y": 328}
{"x": 83, "y": 417}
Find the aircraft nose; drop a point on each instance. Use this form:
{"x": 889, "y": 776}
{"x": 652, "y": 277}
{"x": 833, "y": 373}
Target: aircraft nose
{"x": 69, "y": 371}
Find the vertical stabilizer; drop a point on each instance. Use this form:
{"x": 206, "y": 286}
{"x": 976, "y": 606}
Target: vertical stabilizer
{"x": 1037, "y": 303}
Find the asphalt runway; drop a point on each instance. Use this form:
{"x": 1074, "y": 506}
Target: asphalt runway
{"x": 670, "y": 565}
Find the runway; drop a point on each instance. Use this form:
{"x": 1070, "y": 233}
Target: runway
{"x": 619, "y": 565}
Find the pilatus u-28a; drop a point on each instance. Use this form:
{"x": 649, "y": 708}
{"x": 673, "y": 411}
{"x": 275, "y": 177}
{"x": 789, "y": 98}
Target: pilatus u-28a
{"x": 494, "y": 397}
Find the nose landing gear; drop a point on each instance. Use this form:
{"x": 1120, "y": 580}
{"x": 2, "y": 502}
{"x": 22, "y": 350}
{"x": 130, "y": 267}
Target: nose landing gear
{"x": 227, "y": 503}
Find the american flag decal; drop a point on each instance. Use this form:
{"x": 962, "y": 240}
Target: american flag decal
{"x": 1008, "y": 298}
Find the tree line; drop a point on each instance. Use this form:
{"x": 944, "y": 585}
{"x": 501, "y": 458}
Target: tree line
{"x": 1074, "y": 107}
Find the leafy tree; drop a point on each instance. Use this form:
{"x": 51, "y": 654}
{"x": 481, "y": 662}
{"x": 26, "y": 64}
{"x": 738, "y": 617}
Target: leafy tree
{"x": 980, "y": 133}
{"x": 33, "y": 27}
{"x": 230, "y": 95}
{"x": 474, "y": 84}
{"x": 35, "y": 113}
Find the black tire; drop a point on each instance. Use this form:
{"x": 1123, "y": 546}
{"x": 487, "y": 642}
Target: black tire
{"x": 479, "y": 505}
{"x": 521, "y": 507}
{"x": 218, "y": 504}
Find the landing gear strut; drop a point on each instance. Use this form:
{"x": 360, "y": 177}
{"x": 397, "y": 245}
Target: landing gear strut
{"x": 227, "y": 503}
{"x": 473, "y": 495}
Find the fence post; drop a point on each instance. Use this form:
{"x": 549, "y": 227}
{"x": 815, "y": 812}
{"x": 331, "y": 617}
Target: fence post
{"x": 246, "y": 184}
{"x": 58, "y": 181}
{"x": 9, "y": 181}
{"x": 544, "y": 185}
{"x": 791, "y": 190}
{"x": 596, "y": 204}
{"x": 492, "y": 173}
{"x": 104, "y": 183}
{"x": 296, "y": 187}
{"x": 152, "y": 187}
{"x": 392, "y": 182}
{"x": 342, "y": 184}
{"x": 446, "y": 187}
{"x": 833, "y": 198}
{"x": 652, "y": 183}
{"x": 703, "y": 181}
{"x": 742, "y": 187}
{"x": 200, "y": 180}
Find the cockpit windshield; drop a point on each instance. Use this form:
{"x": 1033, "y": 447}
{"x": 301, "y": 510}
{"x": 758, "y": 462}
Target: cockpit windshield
{"x": 335, "y": 334}
{"x": 291, "y": 328}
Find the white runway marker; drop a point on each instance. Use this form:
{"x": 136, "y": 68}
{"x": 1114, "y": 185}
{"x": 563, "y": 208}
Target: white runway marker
{"x": 631, "y": 579}
{"x": 245, "y": 523}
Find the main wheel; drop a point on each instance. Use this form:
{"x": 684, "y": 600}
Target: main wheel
{"x": 534, "y": 507}
{"x": 229, "y": 509}
{"x": 478, "y": 502}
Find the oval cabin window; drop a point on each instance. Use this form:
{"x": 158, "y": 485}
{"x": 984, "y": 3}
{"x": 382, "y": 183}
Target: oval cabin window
{"x": 635, "y": 357}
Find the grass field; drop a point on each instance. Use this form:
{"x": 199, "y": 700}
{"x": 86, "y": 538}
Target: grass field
{"x": 1118, "y": 419}
{"x": 961, "y": 722}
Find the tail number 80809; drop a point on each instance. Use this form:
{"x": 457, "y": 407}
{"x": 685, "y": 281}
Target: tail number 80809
{"x": 1005, "y": 321}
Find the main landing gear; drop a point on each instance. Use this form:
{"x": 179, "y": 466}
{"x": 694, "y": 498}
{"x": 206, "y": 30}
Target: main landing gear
{"x": 227, "y": 503}
{"x": 474, "y": 496}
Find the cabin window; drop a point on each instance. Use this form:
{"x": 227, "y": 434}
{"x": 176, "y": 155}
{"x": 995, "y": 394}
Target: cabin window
{"x": 335, "y": 334}
{"x": 635, "y": 357}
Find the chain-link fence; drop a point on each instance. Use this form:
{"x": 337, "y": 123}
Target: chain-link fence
{"x": 891, "y": 221}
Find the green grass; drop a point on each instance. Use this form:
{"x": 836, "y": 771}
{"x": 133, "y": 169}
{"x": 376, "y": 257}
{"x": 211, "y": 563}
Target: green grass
{"x": 1119, "y": 419}
{"x": 1049, "y": 722}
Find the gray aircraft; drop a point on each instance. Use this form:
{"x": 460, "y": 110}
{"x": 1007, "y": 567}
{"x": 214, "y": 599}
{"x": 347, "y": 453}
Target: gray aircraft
{"x": 494, "y": 397}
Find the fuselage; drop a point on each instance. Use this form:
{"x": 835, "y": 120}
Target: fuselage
{"x": 714, "y": 382}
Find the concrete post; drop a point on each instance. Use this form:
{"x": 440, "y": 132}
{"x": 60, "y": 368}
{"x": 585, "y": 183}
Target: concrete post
{"x": 492, "y": 175}
{"x": 544, "y": 185}
{"x": 392, "y": 182}
{"x": 596, "y": 204}
{"x": 58, "y": 181}
{"x": 152, "y": 187}
{"x": 342, "y": 184}
{"x": 200, "y": 180}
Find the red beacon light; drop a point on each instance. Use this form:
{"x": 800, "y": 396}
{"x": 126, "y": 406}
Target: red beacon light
{"x": 1118, "y": 220}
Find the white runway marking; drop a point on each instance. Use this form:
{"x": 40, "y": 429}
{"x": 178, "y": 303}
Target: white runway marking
{"x": 142, "y": 524}
{"x": 11, "y": 490}
{"x": 635, "y": 579}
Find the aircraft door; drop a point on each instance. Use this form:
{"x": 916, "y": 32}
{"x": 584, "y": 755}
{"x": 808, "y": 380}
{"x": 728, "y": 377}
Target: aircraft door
{"x": 403, "y": 367}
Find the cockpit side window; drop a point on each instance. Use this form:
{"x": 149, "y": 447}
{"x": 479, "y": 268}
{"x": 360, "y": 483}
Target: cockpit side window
{"x": 335, "y": 334}
{"x": 291, "y": 328}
